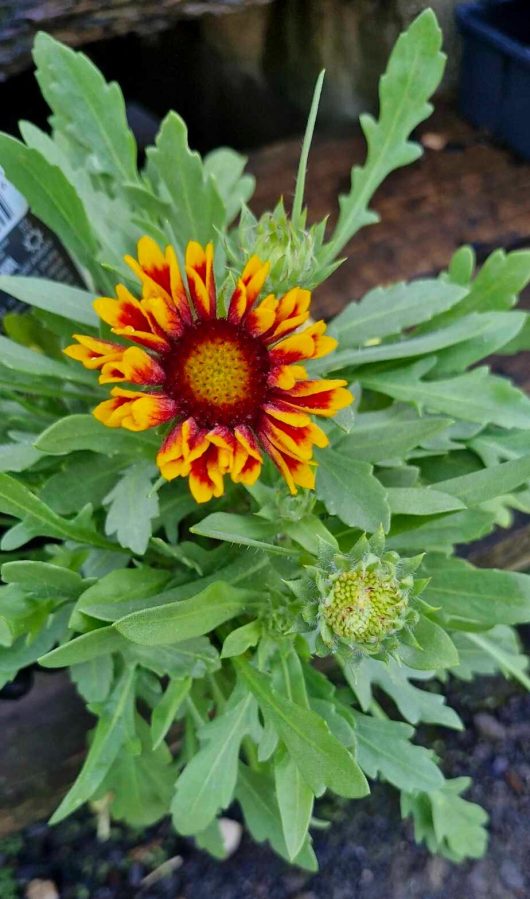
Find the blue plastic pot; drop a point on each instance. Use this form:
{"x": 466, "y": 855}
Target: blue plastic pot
{"x": 495, "y": 74}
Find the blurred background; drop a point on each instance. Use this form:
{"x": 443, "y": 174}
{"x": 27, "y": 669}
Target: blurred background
{"x": 239, "y": 71}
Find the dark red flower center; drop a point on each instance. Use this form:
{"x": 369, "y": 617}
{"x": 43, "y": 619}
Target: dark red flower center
{"x": 218, "y": 373}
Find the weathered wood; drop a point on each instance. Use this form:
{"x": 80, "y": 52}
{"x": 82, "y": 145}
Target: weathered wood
{"x": 79, "y": 22}
{"x": 469, "y": 192}
{"x": 41, "y": 749}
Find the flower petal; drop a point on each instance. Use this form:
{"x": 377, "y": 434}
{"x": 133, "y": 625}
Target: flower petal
{"x": 92, "y": 352}
{"x": 163, "y": 316}
{"x": 292, "y": 311}
{"x": 135, "y": 366}
{"x": 296, "y": 472}
{"x": 323, "y": 397}
{"x": 183, "y": 445}
{"x": 206, "y": 476}
{"x": 125, "y": 312}
{"x": 309, "y": 344}
{"x": 283, "y": 377}
{"x": 293, "y": 441}
{"x": 248, "y": 288}
{"x": 144, "y": 338}
{"x": 160, "y": 275}
{"x": 201, "y": 282}
{"x": 135, "y": 411}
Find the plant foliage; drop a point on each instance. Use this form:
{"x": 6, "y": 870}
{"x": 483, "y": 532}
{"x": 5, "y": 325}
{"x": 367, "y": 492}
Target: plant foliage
{"x": 183, "y": 627}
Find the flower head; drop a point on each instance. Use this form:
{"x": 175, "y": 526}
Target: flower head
{"x": 232, "y": 387}
{"x": 360, "y": 601}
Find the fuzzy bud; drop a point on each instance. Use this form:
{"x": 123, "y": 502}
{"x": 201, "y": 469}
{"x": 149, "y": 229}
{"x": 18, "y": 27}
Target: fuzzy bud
{"x": 365, "y": 606}
{"x": 364, "y": 601}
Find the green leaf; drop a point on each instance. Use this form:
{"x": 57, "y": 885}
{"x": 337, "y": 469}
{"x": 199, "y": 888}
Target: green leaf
{"x": 208, "y": 781}
{"x": 322, "y": 760}
{"x": 84, "y": 432}
{"x": 386, "y": 311}
{"x": 413, "y": 704}
{"x": 43, "y": 578}
{"x": 242, "y": 638}
{"x": 475, "y": 396}
{"x": 461, "y": 266}
{"x": 124, "y": 585}
{"x": 17, "y": 500}
{"x": 132, "y": 506}
{"x": 503, "y": 328}
{"x": 196, "y": 210}
{"x": 86, "y": 109}
{"x": 295, "y": 802}
{"x": 246, "y": 530}
{"x": 484, "y": 595}
{"x": 384, "y": 749}
{"x": 349, "y": 490}
{"x": 225, "y": 167}
{"x": 165, "y": 712}
{"x": 390, "y": 434}
{"x": 51, "y": 197}
{"x": 112, "y": 730}
{"x": 436, "y": 651}
{"x": 413, "y": 73}
{"x": 480, "y": 486}
{"x": 93, "y": 678}
{"x": 85, "y": 648}
{"x": 476, "y": 660}
{"x": 111, "y": 604}
{"x": 441, "y": 534}
{"x": 18, "y": 456}
{"x": 109, "y": 216}
{"x": 23, "y": 359}
{"x": 141, "y": 784}
{"x": 449, "y": 825}
{"x": 193, "y": 658}
{"x": 256, "y": 795}
{"x": 190, "y": 618}
{"x": 25, "y": 651}
{"x": 82, "y": 478}
{"x": 421, "y": 501}
{"x": 510, "y": 665}
{"x": 459, "y": 331}
{"x": 496, "y": 287}
{"x": 52, "y": 296}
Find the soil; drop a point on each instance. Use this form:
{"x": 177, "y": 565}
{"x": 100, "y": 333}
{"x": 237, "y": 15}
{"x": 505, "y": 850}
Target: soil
{"x": 368, "y": 853}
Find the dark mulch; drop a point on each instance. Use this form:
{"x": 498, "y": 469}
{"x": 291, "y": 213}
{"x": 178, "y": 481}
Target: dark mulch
{"x": 367, "y": 854}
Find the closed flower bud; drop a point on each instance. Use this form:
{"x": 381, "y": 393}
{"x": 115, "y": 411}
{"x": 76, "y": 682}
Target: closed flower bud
{"x": 365, "y": 605}
{"x": 361, "y": 600}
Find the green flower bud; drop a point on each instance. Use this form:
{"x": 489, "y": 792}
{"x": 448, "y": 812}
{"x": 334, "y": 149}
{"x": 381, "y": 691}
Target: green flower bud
{"x": 359, "y": 601}
{"x": 365, "y": 605}
{"x": 291, "y": 250}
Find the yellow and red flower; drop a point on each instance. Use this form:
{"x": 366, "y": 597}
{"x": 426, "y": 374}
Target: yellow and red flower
{"x": 232, "y": 386}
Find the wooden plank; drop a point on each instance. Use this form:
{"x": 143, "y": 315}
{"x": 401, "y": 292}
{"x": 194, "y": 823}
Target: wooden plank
{"x": 80, "y": 22}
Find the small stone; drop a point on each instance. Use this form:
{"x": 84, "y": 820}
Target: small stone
{"x": 511, "y": 875}
{"x": 41, "y": 889}
{"x": 433, "y": 140}
{"x": 488, "y": 726}
{"x": 367, "y": 876}
{"x": 231, "y": 833}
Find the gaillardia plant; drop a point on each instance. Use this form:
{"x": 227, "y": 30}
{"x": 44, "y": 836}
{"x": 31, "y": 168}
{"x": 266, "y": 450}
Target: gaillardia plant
{"x": 255, "y": 607}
